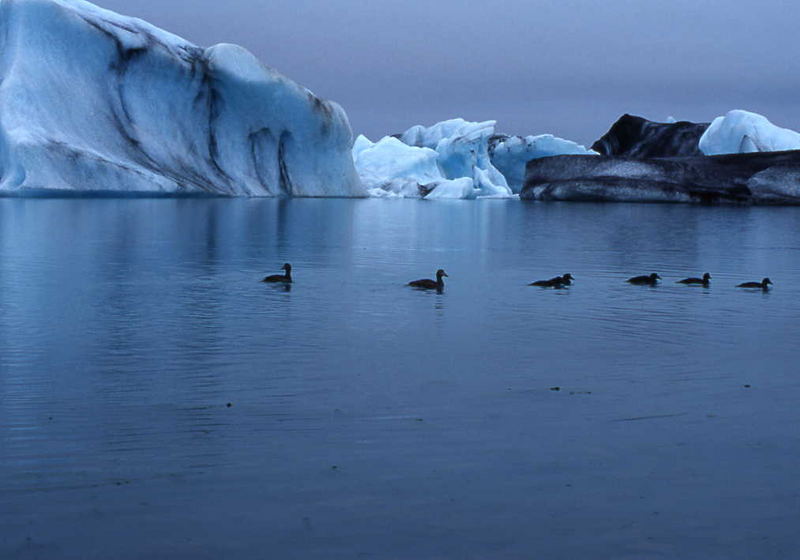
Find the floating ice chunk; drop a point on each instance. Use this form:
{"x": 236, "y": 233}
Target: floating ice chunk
{"x": 390, "y": 167}
{"x": 462, "y": 188}
{"x": 463, "y": 149}
{"x": 510, "y": 154}
{"x": 94, "y": 101}
{"x": 746, "y": 132}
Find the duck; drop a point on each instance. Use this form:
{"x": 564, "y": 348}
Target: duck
{"x": 285, "y": 278}
{"x": 428, "y": 284}
{"x": 764, "y": 284}
{"x": 647, "y": 280}
{"x": 704, "y": 281}
{"x": 565, "y": 279}
{"x": 557, "y": 282}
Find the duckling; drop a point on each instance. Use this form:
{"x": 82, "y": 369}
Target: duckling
{"x": 648, "y": 280}
{"x": 557, "y": 282}
{"x": 428, "y": 284}
{"x": 704, "y": 281}
{"x": 285, "y": 278}
{"x": 764, "y": 284}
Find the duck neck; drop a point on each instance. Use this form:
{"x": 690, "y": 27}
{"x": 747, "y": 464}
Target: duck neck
{"x": 288, "y": 275}
{"x": 440, "y": 280}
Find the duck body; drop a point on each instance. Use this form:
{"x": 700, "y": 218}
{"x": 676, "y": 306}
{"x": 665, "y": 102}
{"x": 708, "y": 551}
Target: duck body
{"x": 428, "y": 284}
{"x": 565, "y": 279}
{"x": 704, "y": 281}
{"x": 285, "y": 278}
{"x": 645, "y": 280}
{"x": 763, "y": 285}
{"x": 557, "y": 282}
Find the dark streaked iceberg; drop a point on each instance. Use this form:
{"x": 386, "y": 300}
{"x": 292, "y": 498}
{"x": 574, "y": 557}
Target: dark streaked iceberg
{"x": 640, "y": 138}
{"x": 754, "y": 178}
{"x": 91, "y": 101}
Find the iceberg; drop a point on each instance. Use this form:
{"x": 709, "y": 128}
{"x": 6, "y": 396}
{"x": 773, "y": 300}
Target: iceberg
{"x": 92, "y": 101}
{"x": 390, "y": 168}
{"x": 463, "y": 151}
{"x": 745, "y": 132}
{"x": 751, "y": 178}
{"x": 510, "y": 154}
{"x": 639, "y": 138}
{"x": 452, "y": 159}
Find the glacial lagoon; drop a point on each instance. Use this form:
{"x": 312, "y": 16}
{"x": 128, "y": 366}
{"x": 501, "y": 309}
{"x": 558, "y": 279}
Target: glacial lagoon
{"x": 157, "y": 400}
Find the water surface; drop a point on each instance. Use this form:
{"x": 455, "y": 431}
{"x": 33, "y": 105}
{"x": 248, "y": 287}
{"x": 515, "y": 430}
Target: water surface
{"x": 369, "y": 420}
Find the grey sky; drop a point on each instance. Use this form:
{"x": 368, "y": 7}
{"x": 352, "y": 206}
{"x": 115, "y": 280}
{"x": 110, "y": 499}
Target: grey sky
{"x": 568, "y": 67}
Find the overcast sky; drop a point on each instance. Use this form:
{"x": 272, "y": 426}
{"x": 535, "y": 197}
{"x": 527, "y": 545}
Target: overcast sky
{"x": 568, "y": 67}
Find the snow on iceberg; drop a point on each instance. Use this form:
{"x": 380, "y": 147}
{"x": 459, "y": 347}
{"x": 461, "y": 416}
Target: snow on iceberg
{"x": 510, "y": 154}
{"x": 94, "y": 101}
{"x": 746, "y": 132}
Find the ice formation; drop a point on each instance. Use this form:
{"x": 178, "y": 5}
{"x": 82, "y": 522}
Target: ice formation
{"x": 452, "y": 159}
{"x": 746, "y": 132}
{"x": 510, "y": 154}
{"x": 390, "y": 168}
{"x": 94, "y": 101}
{"x": 639, "y": 138}
{"x": 463, "y": 151}
{"x": 751, "y": 178}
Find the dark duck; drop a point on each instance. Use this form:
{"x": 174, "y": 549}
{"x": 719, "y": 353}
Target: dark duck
{"x": 646, "y": 280}
{"x": 763, "y": 285}
{"x": 557, "y": 282}
{"x": 428, "y": 284}
{"x": 285, "y": 278}
{"x": 704, "y": 281}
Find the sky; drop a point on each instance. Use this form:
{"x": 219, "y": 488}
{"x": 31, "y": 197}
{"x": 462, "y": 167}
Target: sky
{"x": 567, "y": 67}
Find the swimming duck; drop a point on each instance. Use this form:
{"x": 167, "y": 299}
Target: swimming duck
{"x": 557, "y": 282}
{"x": 428, "y": 284}
{"x": 704, "y": 281}
{"x": 285, "y": 278}
{"x": 764, "y": 284}
{"x": 649, "y": 280}
{"x": 565, "y": 279}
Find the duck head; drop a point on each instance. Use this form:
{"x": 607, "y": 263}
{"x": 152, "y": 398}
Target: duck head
{"x": 655, "y": 277}
{"x": 568, "y": 277}
{"x": 441, "y": 273}
{"x": 706, "y": 277}
{"x": 766, "y": 282}
{"x": 287, "y": 267}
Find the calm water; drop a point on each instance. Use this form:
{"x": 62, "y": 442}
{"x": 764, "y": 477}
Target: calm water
{"x": 369, "y": 420}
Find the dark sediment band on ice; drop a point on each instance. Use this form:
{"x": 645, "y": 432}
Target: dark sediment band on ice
{"x": 755, "y": 178}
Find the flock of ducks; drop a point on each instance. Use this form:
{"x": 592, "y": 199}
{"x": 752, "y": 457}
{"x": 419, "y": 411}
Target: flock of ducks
{"x": 557, "y": 282}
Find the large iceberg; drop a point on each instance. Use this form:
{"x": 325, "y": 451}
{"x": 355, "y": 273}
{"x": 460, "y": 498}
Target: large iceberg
{"x": 94, "y": 101}
{"x": 510, "y": 154}
{"x": 746, "y": 132}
